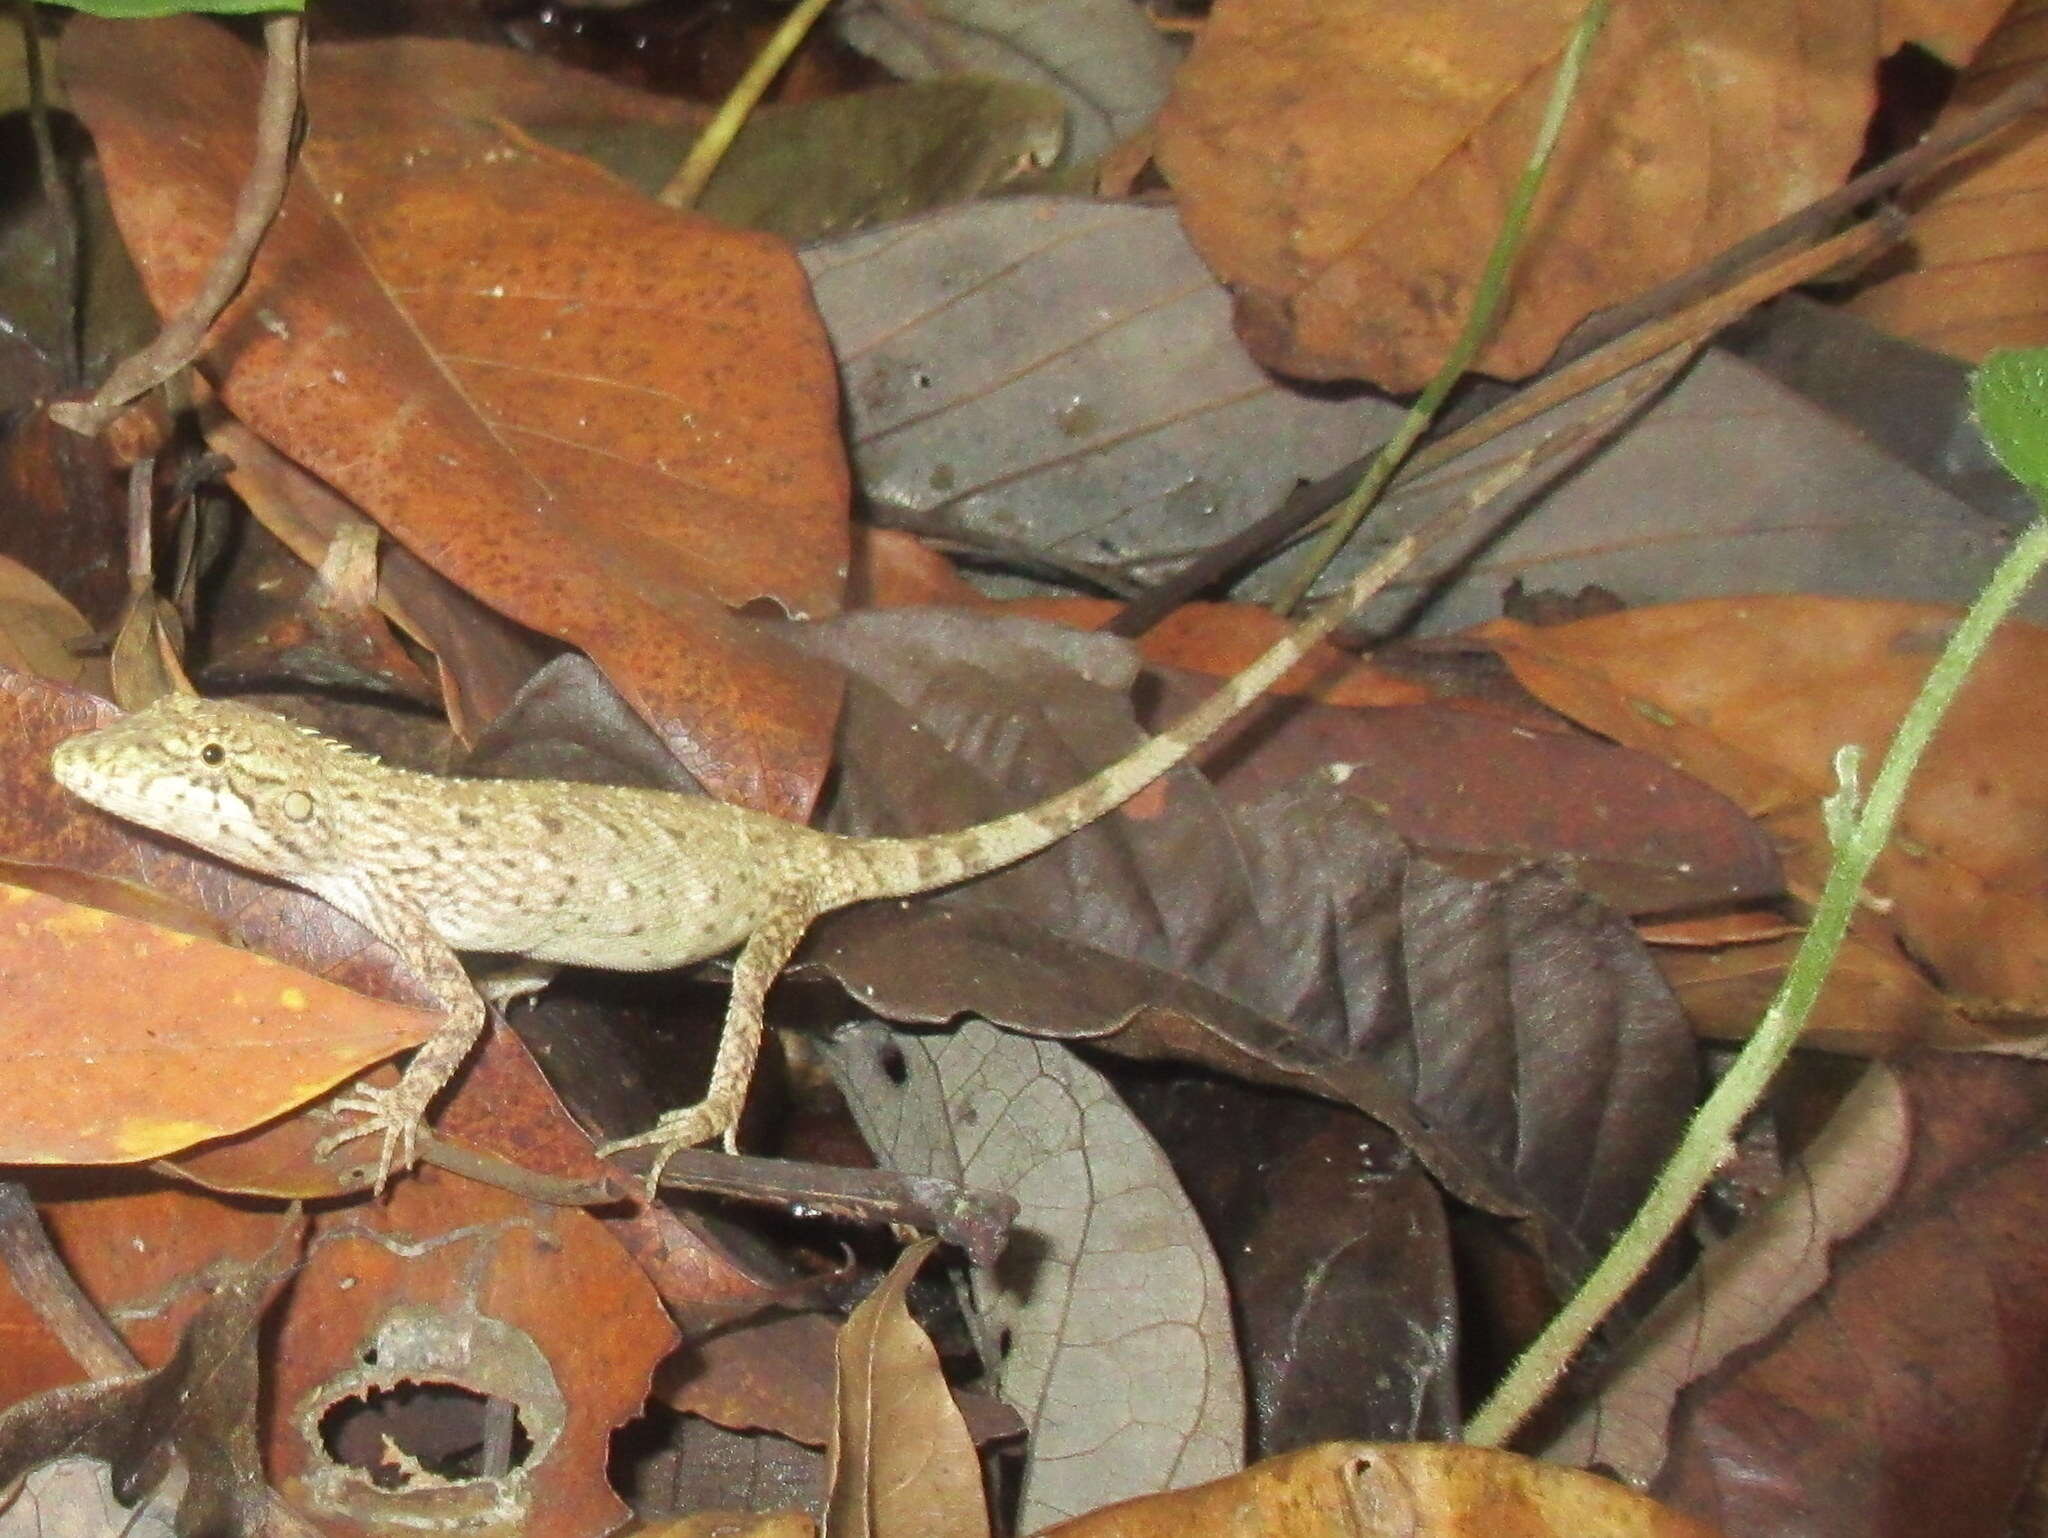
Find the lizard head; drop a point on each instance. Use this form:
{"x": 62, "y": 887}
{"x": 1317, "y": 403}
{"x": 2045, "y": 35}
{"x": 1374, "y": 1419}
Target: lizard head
{"x": 234, "y": 780}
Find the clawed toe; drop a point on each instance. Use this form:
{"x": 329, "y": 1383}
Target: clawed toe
{"x": 388, "y": 1113}
{"x": 675, "y": 1132}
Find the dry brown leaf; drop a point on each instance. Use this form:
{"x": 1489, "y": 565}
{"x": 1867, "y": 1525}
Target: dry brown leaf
{"x": 1346, "y": 167}
{"x": 903, "y": 1464}
{"x": 131, "y": 1041}
{"x": 604, "y": 419}
{"x": 1754, "y": 695}
{"x": 1409, "y": 1490}
{"x": 1118, "y": 1343}
{"x": 1979, "y": 277}
{"x": 483, "y": 656}
{"x": 41, "y": 633}
{"x": 1744, "y": 1287}
{"x": 732, "y": 1524}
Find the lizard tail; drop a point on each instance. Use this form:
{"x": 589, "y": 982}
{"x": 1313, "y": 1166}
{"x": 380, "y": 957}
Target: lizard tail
{"x": 903, "y": 867}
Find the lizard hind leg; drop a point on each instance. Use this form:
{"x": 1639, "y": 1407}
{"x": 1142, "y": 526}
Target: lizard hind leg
{"x": 732, "y": 1070}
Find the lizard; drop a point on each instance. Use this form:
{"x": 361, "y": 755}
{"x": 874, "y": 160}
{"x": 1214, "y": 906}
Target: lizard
{"x": 571, "y": 874}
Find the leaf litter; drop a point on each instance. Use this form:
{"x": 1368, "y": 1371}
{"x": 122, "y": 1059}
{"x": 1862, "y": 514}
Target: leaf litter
{"x": 1430, "y": 933}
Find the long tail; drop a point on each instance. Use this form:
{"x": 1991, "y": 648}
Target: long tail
{"x": 902, "y": 867}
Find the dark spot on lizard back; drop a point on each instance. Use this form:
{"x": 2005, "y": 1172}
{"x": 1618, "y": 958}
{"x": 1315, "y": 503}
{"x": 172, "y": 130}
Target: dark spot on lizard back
{"x": 551, "y": 824}
{"x": 468, "y": 819}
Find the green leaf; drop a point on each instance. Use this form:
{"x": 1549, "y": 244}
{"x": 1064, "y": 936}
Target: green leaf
{"x": 2010, "y": 393}
{"x": 129, "y": 9}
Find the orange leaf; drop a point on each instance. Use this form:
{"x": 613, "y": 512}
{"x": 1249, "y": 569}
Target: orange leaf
{"x": 1351, "y": 1489}
{"x": 604, "y": 419}
{"x": 1346, "y": 167}
{"x": 1979, "y": 237}
{"x": 131, "y": 1041}
{"x": 1754, "y": 695}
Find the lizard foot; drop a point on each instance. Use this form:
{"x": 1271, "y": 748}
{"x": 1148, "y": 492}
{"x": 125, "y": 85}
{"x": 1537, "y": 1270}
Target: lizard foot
{"x": 676, "y": 1131}
{"x": 396, "y": 1114}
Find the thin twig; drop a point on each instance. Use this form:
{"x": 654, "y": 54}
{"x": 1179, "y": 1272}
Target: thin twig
{"x": 2023, "y": 96}
{"x": 56, "y": 192}
{"x": 978, "y": 1222}
{"x": 48, "y": 1287}
{"x": 1310, "y": 505}
{"x": 256, "y": 209}
{"x": 701, "y": 164}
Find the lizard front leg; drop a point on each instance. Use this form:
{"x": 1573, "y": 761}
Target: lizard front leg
{"x": 718, "y": 1113}
{"x": 398, "y": 1113}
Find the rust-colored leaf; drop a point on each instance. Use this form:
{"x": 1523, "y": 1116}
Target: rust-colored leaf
{"x": 1979, "y": 236}
{"x": 1346, "y": 167}
{"x": 1352, "y": 1489}
{"x": 197, "y": 1411}
{"x": 455, "y": 1283}
{"x": 175, "y": 1039}
{"x": 605, "y": 419}
{"x": 483, "y": 656}
{"x": 1754, "y": 695}
{"x": 448, "y": 1284}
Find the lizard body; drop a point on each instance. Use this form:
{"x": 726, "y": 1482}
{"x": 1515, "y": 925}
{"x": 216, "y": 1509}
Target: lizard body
{"x": 588, "y": 875}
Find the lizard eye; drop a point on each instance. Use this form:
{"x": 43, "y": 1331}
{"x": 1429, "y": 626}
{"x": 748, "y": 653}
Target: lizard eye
{"x": 213, "y": 753}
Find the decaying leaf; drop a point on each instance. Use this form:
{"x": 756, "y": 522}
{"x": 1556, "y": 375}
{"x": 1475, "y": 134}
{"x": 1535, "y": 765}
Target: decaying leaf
{"x": 1980, "y": 228}
{"x": 1745, "y": 1287}
{"x": 427, "y": 1318}
{"x": 1754, "y": 695}
{"x": 1903, "y": 1398}
{"x": 1345, "y": 168}
{"x": 1120, "y": 1352}
{"x": 1287, "y": 937}
{"x": 1058, "y": 377}
{"x": 903, "y": 1465}
{"x": 1371, "y": 1490}
{"x": 604, "y": 419}
{"x": 197, "y": 1410}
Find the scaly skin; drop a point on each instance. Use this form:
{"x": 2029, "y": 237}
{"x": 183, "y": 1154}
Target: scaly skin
{"x": 568, "y": 874}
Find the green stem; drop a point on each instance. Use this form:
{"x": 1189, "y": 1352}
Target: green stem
{"x": 1710, "y": 1138}
{"x": 687, "y": 185}
{"x": 1486, "y": 301}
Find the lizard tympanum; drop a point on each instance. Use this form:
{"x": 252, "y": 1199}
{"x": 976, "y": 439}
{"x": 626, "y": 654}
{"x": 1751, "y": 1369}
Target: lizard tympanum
{"x": 569, "y": 874}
